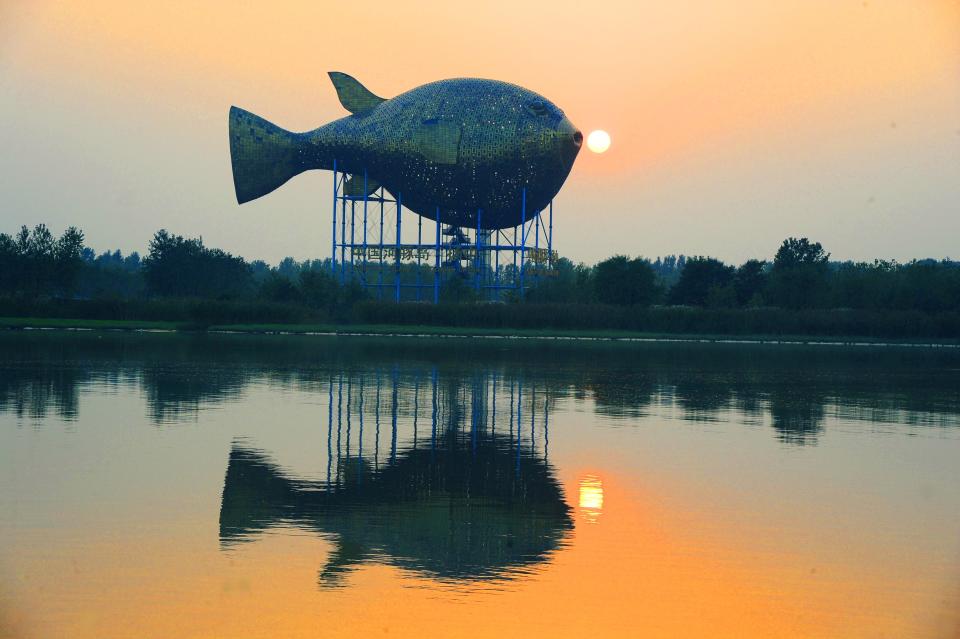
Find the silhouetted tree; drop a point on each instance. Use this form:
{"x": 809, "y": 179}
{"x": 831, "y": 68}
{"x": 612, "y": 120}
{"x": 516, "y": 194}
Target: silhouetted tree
{"x": 9, "y": 264}
{"x": 668, "y": 269}
{"x": 110, "y": 275}
{"x": 749, "y": 282}
{"x": 625, "y": 282}
{"x": 863, "y": 285}
{"x": 455, "y": 289}
{"x": 37, "y": 252}
{"x": 289, "y": 268}
{"x": 703, "y": 278}
{"x": 260, "y": 270}
{"x": 318, "y": 288}
{"x": 798, "y": 278}
{"x": 35, "y": 263}
{"x": 185, "y": 267}
{"x": 68, "y": 260}
{"x": 930, "y": 286}
{"x": 277, "y": 288}
{"x": 565, "y": 283}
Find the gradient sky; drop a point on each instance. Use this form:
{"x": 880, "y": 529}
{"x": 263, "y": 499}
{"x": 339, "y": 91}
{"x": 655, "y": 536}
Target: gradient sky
{"x": 734, "y": 124}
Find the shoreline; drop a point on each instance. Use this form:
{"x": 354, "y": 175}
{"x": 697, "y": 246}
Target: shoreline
{"x": 447, "y": 332}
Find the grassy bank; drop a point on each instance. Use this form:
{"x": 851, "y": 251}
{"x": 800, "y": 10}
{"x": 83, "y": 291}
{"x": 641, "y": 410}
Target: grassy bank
{"x": 485, "y": 319}
{"x": 671, "y": 320}
{"x": 33, "y": 323}
{"x": 90, "y": 324}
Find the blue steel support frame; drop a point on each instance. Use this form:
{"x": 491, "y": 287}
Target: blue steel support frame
{"x": 487, "y": 278}
{"x": 380, "y": 259}
{"x": 396, "y": 253}
{"x": 477, "y": 261}
{"x": 536, "y": 245}
{"x": 333, "y": 234}
{"x": 419, "y": 244}
{"x": 343, "y": 240}
{"x": 550, "y": 236}
{"x": 366, "y": 198}
{"x": 436, "y": 268}
{"x": 523, "y": 241}
{"x": 353, "y": 240}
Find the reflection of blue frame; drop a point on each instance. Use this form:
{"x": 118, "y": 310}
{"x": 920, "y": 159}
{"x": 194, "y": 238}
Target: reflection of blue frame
{"x": 344, "y": 403}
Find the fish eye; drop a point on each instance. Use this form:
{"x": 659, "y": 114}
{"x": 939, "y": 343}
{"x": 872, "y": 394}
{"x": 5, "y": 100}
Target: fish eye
{"x": 537, "y": 108}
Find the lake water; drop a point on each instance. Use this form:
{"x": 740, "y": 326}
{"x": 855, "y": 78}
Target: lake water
{"x": 163, "y": 485}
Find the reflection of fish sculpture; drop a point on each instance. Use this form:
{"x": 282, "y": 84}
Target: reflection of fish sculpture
{"x": 454, "y": 145}
{"x": 452, "y": 512}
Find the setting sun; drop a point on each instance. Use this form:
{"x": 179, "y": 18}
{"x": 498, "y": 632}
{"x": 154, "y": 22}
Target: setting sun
{"x": 598, "y": 141}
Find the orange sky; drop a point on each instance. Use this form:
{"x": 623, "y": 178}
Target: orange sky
{"x": 733, "y": 124}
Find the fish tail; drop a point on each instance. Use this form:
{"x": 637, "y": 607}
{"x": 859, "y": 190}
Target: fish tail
{"x": 263, "y": 155}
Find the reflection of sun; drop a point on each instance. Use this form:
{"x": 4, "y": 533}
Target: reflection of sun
{"x": 591, "y": 498}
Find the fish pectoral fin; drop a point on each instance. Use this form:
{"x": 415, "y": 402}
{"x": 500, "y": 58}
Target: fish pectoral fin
{"x": 438, "y": 141}
{"x": 354, "y": 97}
{"x": 354, "y": 187}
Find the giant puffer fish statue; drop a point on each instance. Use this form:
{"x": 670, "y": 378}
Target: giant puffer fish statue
{"x": 465, "y": 150}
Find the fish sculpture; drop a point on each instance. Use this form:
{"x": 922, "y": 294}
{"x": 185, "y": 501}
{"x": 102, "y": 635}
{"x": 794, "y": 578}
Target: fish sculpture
{"x": 460, "y": 511}
{"x": 465, "y": 152}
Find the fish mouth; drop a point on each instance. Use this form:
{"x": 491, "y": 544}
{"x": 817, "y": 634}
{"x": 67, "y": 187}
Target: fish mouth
{"x": 570, "y": 139}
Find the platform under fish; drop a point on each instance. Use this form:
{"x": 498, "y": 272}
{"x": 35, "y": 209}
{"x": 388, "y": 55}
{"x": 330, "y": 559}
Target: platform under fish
{"x": 468, "y": 152}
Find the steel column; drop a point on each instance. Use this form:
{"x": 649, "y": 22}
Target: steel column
{"x": 397, "y": 255}
{"x": 436, "y": 268}
{"x": 333, "y": 234}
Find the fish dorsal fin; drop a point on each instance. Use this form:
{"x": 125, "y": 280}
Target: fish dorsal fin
{"x": 438, "y": 141}
{"x": 354, "y": 97}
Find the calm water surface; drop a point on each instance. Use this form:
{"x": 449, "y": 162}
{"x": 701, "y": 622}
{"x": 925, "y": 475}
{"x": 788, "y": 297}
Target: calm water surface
{"x": 161, "y": 485}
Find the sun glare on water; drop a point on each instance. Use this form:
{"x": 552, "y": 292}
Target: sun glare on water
{"x": 591, "y": 498}
{"x": 598, "y": 141}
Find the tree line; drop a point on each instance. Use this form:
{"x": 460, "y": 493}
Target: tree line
{"x": 36, "y": 264}
{"x": 800, "y": 276}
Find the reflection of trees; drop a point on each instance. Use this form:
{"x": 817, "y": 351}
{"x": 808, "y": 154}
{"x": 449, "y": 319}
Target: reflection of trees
{"x": 797, "y": 413}
{"x": 699, "y": 394}
{"x": 798, "y": 388}
{"x": 33, "y": 391}
{"x": 621, "y": 393}
{"x": 176, "y": 391}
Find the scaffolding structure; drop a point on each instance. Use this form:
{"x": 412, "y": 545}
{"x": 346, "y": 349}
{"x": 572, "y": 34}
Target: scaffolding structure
{"x": 412, "y": 258}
